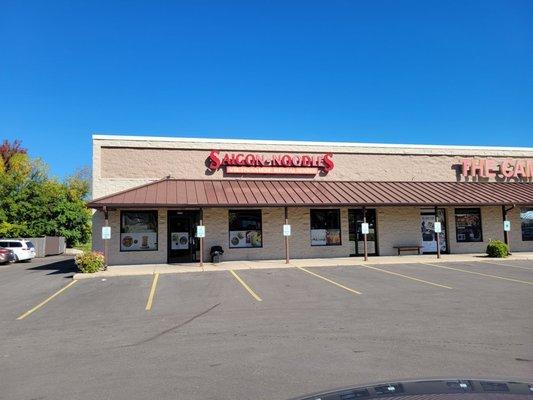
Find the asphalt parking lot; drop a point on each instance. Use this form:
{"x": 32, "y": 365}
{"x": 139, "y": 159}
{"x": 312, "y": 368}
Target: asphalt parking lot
{"x": 261, "y": 334}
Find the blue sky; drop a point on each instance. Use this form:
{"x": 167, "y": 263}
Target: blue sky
{"x": 436, "y": 72}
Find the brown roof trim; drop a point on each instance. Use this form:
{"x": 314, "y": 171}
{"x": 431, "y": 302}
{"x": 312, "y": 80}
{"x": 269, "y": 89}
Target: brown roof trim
{"x": 175, "y": 193}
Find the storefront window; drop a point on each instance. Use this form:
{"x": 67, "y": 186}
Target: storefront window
{"x": 468, "y": 225}
{"x": 325, "y": 228}
{"x": 138, "y": 230}
{"x": 526, "y": 216}
{"x": 245, "y": 228}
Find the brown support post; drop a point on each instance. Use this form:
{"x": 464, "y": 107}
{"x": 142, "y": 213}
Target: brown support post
{"x": 505, "y": 233}
{"x": 201, "y": 239}
{"x": 437, "y": 236}
{"x": 365, "y": 242}
{"x": 286, "y": 237}
{"x": 106, "y": 223}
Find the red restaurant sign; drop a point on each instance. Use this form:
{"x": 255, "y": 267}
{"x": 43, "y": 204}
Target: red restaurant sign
{"x": 490, "y": 168}
{"x": 251, "y": 163}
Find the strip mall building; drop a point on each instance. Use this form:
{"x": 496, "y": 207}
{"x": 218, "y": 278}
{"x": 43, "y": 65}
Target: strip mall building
{"x": 155, "y": 191}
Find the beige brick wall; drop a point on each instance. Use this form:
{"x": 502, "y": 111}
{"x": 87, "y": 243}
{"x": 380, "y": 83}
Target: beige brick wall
{"x": 216, "y": 222}
{"x": 515, "y": 236}
{"x": 115, "y": 256}
{"x": 119, "y": 164}
{"x": 396, "y": 226}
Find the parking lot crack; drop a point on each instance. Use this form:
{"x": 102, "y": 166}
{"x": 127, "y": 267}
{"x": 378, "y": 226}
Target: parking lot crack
{"x": 174, "y": 328}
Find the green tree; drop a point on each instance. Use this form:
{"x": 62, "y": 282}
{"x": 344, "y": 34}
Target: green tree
{"x": 32, "y": 204}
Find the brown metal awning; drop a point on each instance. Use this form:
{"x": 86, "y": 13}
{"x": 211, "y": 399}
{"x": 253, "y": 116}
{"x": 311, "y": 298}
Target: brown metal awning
{"x": 272, "y": 193}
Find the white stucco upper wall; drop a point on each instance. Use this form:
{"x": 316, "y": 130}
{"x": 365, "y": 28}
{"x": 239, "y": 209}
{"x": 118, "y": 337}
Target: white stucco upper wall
{"x": 290, "y": 145}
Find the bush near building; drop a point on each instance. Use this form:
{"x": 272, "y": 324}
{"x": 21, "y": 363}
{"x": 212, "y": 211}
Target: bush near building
{"x": 497, "y": 249}
{"x": 90, "y": 262}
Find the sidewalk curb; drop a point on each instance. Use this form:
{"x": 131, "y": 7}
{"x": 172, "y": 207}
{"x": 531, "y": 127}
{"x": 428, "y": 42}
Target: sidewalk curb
{"x": 164, "y": 269}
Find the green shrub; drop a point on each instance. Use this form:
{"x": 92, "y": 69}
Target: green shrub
{"x": 90, "y": 261}
{"x": 497, "y": 249}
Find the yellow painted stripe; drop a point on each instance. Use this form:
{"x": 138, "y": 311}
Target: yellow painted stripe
{"x": 46, "y": 301}
{"x": 152, "y": 292}
{"x": 244, "y": 285}
{"x": 405, "y": 276}
{"x": 505, "y": 265}
{"x": 480, "y": 273}
{"x": 329, "y": 280}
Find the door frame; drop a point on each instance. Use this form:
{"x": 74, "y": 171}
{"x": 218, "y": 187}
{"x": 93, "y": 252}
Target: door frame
{"x": 444, "y": 221}
{"x": 354, "y": 252}
{"x": 194, "y": 218}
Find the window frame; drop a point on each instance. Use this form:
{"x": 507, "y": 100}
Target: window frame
{"x": 122, "y": 212}
{"x": 260, "y": 211}
{"x": 466, "y": 210}
{"x": 338, "y": 210}
{"x": 524, "y": 210}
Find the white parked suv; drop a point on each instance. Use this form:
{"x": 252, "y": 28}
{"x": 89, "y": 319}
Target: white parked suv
{"x": 24, "y": 249}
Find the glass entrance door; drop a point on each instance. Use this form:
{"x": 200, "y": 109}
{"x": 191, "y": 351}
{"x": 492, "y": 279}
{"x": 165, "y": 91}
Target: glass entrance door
{"x": 427, "y": 226}
{"x": 182, "y": 243}
{"x": 355, "y": 219}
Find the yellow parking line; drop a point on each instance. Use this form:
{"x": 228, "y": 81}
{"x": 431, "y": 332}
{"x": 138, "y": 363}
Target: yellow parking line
{"x": 329, "y": 280}
{"x": 504, "y": 265}
{"x": 46, "y": 301}
{"x": 480, "y": 273}
{"x": 405, "y": 276}
{"x": 152, "y": 292}
{"x": 244, "y": 285}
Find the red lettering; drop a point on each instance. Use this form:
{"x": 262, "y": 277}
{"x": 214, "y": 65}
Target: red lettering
{"x": 489, "y": 167}
{"x": 477, "y": 167}
{"x": 325, "y": 162}
{"x": 249, "y": 160}
{"x": 466, "y": 165}
{"x": 529, "y": 169}
{"x": 227, "y": 160}
{"x": 328, "y": 162}
{"x": 239, "y": 159}
{"x": 296, "y": 161}
{"x": 505, "y": 168}
{"x": 519, "y": 169}
{"x": 276, "y": 160}
{"x": 214, "y": 163}
{"x": 286, "y": 160}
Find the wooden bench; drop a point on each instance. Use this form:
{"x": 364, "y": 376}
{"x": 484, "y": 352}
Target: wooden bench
{"x": 408, "y": 248}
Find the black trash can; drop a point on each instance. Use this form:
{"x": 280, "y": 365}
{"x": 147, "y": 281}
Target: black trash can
{"x": 216, "y": 254}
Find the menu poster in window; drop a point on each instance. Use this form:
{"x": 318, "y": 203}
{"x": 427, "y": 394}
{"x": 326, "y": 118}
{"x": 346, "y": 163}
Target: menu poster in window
{"x": 427, "y": 228}
{"x": 136, "y": 241}
{"x": 318, "y": 237}
{"x": 333, "y": 236}
{"x": 468, "y": 227}
{"x": 245, "y": 239}
{"x": 323, "y": 237}
{"x": 179, "y": 240}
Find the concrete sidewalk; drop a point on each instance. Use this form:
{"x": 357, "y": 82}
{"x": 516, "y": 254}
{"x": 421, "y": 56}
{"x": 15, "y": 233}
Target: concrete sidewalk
{"x": 149, "y": 269}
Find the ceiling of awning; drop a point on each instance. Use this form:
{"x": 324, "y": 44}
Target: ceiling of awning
{"x": 272, "y": 193}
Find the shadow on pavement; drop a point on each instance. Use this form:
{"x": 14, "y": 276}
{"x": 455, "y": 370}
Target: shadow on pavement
{"x": 57, "y": 267}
